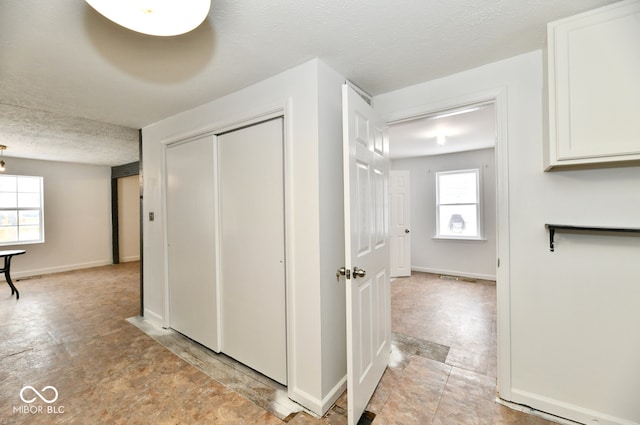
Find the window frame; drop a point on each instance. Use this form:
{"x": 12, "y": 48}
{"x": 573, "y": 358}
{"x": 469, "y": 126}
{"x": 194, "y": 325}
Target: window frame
{"x": 478, "y": 204}
{"x": 18, "y": 209}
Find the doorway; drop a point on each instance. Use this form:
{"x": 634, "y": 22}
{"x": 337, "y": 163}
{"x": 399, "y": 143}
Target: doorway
{"x": 449, "y": 158}
{"x": 125, "y": 212}
{"x": 452, "y": 108}
{"x": 129, "y": 218}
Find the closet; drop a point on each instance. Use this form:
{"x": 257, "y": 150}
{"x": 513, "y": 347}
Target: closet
{"x": 227, "y": 288}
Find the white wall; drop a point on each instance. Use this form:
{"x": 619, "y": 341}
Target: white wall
{"x": 77, "y": 217}
{"x": 129, "y": 218}
{"x": 573, "y": 313}
{"x": 311, "y": 201}
{"x": 332, "y": 256}
{"x": 476, "y": 259}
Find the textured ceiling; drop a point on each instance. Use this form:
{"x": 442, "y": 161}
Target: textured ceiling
{"x": 51, "y": 136}
{"x": 63, "y": 57}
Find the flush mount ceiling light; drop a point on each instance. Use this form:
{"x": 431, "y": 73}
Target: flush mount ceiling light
{"x": 441, "y": 139}
{"x": 154, "y": 17}
{"x": 455, "y": 112}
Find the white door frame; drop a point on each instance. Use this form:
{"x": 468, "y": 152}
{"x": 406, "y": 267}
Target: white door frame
{"x": 503, "y": 273}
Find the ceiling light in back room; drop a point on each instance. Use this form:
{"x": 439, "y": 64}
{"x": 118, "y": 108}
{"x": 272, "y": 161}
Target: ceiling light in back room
{"x": 455, "y": 112}
{"x": 154, "y": 17}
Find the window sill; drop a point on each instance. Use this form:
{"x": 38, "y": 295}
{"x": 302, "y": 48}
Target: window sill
{"x": 5, "y": 244}
{"x": 462, "y": 239}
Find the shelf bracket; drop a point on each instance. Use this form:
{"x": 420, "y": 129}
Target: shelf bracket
{"x": 571, "y": 228}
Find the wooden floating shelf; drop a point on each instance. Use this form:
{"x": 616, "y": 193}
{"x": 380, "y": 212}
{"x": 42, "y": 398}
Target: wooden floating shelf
{"x": 560, "y": 227}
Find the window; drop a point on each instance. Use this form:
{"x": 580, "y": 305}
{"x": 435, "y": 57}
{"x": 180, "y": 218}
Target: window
{"x": 458, "y": 204}
{"x": 21, "y": 210}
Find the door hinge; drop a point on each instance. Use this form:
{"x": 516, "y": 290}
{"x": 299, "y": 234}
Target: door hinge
{"x": 498, "y": 262}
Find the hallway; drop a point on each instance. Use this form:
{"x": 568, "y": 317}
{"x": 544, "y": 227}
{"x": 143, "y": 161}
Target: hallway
{"x": 70, "y": 331}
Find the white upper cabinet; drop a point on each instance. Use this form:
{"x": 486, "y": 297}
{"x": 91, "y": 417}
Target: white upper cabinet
{"x": 594, "y": 88}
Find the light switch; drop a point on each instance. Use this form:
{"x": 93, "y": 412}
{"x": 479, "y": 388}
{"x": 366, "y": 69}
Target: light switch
{"x": 152, "y": 216}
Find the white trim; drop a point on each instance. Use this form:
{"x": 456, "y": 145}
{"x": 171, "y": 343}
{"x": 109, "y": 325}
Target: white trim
{"x": 289, "y": 251}
{"x": 166, "y": 320}
{"x": 458, "y": 239}
{"x": 216, "y": 242}
{"x": 334, "y": 394}
{"x": 531, "y": 411}
{"x": 454, "y": 273}
{"x": 314, "y": 405}
{"x": 153, "y": 318}
{"x": 130, "y": 258}
{"x": 503, "y": 247}
{"x": 563, "y": 410}
{"x": 212, "y": 129}
{"x": 58, "y": 269}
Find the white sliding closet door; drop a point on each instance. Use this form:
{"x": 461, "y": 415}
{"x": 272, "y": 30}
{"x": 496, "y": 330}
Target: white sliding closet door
{"x": 191, "y": 240}
{"x": 252, "y": 251}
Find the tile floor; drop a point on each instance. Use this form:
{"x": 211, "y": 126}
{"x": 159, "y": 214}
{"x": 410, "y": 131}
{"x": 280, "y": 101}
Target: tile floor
{"x": 78, "y": 333}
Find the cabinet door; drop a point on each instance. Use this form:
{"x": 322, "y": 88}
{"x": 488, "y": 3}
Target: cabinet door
{"x": 594, "y": 89}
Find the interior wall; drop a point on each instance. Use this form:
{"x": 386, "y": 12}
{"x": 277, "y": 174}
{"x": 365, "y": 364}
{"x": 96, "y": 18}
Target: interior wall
{"x": 129, "y": 218}
{"x": 332, "y": 255}
{"x": 77, "y": 217}
{"x": 572, "y": 314}
{"x": 469, "y": 258}
{"x": 296, "y": 92}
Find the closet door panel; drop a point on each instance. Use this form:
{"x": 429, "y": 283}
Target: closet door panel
{"x": 252, "y": 251}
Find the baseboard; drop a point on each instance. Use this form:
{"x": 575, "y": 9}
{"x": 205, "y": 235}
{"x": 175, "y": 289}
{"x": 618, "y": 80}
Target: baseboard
{"x": 59, "y": 269}
{"x": 313, "y": 404}
{"x": 305, "y": 399}
{"x": 154, "y": 318}
{"x": 130, "y": 259}
{"x": 334, "y": 394}
{"x": 570, "y": 412}
{"x": 454, "y": 273}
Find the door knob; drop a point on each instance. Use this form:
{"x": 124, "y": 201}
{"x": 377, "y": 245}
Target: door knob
{"x": 343, "y": 271}
{"x": 359, "y": 272}
{"x": 407, "y": 230}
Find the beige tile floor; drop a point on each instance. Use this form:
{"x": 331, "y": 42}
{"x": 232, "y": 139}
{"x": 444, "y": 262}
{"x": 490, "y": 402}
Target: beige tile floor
{"x": 70, "y": 331}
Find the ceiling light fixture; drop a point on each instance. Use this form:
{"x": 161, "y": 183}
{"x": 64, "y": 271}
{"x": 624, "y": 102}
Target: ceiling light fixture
{"x": 456, "y": 112}
{"x": 441, "y": 139}
{"x": 2, "y": 164}
{"x": 154, "y": 17}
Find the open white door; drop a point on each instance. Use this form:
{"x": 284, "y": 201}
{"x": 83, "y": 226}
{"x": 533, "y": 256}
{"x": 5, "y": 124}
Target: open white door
{"x": 366, "y": 171}
{"x": 399, "y": 228}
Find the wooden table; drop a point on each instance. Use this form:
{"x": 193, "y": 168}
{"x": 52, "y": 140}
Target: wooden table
{"x": 7, "y": 255}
